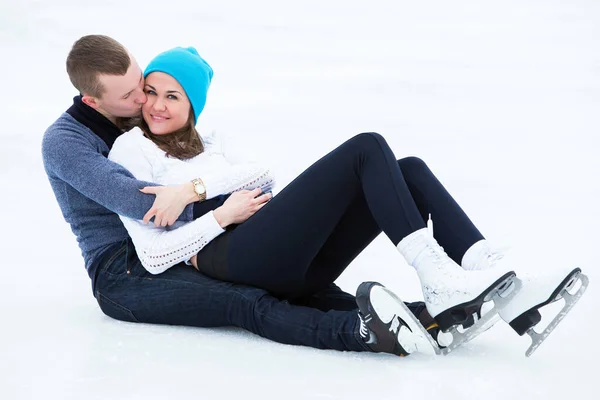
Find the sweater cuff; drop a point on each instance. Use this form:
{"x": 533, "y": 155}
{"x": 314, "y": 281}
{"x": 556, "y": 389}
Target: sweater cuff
{"x": 214, "y": 229}
{"x": 202, "y": 207}
{"x": 188, "y": 213}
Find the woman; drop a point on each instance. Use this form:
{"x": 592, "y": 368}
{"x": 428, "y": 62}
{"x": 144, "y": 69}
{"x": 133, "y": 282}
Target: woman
{"x": 301, "y": 240}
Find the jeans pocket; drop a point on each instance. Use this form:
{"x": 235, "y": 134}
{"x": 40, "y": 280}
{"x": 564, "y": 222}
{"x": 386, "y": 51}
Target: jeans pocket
{"x": 112, "y": 264}
{"x": 115, "y": 310}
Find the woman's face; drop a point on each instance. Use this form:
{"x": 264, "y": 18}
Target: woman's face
{"x": 167, "y": 108}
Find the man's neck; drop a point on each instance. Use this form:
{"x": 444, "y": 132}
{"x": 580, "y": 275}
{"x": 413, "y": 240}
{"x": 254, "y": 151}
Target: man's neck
{"x": 106, "y": 115}
{"x": 98, "y": 122}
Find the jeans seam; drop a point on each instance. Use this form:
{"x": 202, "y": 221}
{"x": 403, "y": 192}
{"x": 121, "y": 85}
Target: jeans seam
{"x": 267, "y": 315}
{"x": 111, "y": 261}
{"x": 354, "y": 333}
{"x": 117, "y": 305}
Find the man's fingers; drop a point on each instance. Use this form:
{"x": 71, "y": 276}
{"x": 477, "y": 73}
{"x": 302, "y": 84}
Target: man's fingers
{"x": 160, "y": 220}
{"x": 150, "y": 189}
{"x": 149, "y": 215}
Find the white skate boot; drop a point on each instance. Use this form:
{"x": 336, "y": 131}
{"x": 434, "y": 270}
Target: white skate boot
{"x": 522, "y": 313}
{"x": 454, "y": 296}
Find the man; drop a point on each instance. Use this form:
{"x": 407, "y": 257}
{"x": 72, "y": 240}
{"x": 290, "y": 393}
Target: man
{"x": 92, "y": 191}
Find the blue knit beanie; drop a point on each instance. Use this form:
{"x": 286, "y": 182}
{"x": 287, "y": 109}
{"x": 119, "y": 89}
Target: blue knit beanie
{"x": 189, "y": 69}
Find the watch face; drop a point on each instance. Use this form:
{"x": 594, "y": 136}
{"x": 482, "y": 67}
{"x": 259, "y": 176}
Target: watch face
{"x": 200, "y": 189}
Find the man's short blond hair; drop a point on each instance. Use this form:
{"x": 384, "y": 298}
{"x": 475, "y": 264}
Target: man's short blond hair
{"x": 91, "y": 56}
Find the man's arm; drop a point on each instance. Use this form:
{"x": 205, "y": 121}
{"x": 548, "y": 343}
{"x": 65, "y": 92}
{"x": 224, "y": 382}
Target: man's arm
{"x": 74, "y": 159}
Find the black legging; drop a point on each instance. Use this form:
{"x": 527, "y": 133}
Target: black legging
{"x": 305, "y": 237}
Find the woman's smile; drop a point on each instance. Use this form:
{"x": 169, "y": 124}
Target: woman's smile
{"x": 158, "y": 118}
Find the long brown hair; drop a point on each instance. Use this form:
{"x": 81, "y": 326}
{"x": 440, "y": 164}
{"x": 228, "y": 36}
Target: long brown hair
{"x": 184, "y": 143}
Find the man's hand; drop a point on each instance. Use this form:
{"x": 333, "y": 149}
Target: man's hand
{"x": 170, "y": 202}
{"x": 240, "y": 206}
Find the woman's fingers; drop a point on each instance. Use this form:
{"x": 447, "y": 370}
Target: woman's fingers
{"x": 263, "y": 198}
{"x": 258, "y": 207}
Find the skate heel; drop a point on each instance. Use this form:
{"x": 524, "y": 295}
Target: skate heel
{"x": 532, "y": 317}
{"x": 526, "y": 322}
{"x": 461, "y": 314}
{"x": 473, "y": 322}
{"x": 467, "y": 313}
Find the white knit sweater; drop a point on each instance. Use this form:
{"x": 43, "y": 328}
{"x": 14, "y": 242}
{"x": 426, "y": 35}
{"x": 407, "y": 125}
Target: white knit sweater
{"x": 160, "y": 248}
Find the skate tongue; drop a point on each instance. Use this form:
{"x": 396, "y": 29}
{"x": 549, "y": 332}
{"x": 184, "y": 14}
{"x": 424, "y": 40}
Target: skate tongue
{"x": 413, "y": 245}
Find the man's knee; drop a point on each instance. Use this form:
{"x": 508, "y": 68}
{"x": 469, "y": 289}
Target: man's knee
{"x": 115, "y": 310}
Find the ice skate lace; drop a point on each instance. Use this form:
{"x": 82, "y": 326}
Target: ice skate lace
{"x": 437, "y": 253}
{"x": 364, "y": 331}
{"x": 490, "y": 257}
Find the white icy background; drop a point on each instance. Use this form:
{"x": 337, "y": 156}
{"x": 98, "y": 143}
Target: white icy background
{"x": 500, "y": 98}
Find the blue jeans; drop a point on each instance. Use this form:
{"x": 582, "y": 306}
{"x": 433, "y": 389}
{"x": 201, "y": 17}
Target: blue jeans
{"x": 183, "y": 296}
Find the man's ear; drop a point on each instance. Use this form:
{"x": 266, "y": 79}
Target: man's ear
{"x": 90, "y": 101}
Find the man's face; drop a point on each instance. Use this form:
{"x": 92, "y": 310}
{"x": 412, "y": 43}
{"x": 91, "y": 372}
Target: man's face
{"x": 123, "y": 95}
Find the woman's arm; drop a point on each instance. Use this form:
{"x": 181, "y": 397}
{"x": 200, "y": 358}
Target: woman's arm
{"x": 159, "y": 248}
{"x": 246, "y": 176}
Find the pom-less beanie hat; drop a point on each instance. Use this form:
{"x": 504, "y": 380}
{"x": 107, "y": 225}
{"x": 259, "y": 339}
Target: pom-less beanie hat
{"x": 189, "y": 69}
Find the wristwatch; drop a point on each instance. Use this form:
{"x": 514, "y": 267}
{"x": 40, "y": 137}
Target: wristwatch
{"x": 199, "y": 188}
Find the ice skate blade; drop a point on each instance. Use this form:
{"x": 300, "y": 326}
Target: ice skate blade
{"x": 426, "y": 343}
{"x": 570, "y": 300}
{"x": 487, "y": 321}
{"x": 459, "y": 338}
{"x": 460, "y": 314}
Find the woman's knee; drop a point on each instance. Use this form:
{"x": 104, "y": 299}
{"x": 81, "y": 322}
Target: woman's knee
{"x": 369, "y": 137}
{"x": 367, "y": 142}
{"x": 412, "y": 163}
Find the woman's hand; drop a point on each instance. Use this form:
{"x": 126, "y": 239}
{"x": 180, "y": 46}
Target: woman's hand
{"x": 240, "y": 206}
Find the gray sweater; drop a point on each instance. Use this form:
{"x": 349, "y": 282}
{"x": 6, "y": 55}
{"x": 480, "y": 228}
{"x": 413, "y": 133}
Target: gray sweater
{"x": 90, "y": 189}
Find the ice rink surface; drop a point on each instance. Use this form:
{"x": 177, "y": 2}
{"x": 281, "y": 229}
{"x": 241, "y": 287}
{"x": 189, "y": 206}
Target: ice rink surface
{"x": 500, "y": 98}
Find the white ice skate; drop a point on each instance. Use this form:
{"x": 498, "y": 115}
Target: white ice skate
{"x": 522, "y": 312}
{"x": 454, "y": 296}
